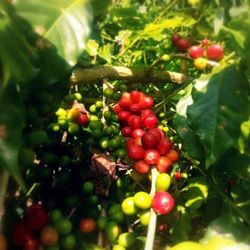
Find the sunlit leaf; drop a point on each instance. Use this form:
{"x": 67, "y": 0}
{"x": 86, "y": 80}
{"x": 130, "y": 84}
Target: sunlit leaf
{"x": 105, "y": 52}
{"x": 65, "y": 23}
{"x": 228, "y": 224}
{"x": 195, "y": 193}
{"x": 238, "y": 36}
{"x": 219, "y": 107}
{"x": 92, "y": 47}
{"x": 155, "y": 30}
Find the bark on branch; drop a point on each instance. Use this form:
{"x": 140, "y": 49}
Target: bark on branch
{"x": 131, "y": 75}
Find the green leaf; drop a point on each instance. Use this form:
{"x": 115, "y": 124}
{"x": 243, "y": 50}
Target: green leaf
{"x": 12, "y": 122}
{"x": 238, "y": 36}
{"x": 189, "y": 140}
{"x": 105, "y": 52}
{"x": 220, "y": 105}
{"x": 181, "y": 227}
{"x": 195, "y": 193}
{"x": 53, "y": 68}
{"x": 154, "y": 30}
{"x": 228, "y": 224}
{"x": 92, "y": 47}
{"x": 239, "y": 164}
{"x": 17, "y": 57}
{"x": 65, "y": 23}
{"x": 99, "y": 7}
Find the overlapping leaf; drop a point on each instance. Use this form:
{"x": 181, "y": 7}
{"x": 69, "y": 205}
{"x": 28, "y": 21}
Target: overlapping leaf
{"x": 190, "y": 141}
{"x": 220, "y": 105}
{"x": 65, "y": 23}
{"x": 11, "y": 125}
{"x": 16, "y": 55}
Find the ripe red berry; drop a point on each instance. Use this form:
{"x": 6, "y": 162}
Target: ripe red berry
{"x": 135, "y": 122}
{"x": 133, "y": 141}
{"x": 135, "y": 96}
{"x": 163, "y": 227}
{"x": 195, "y": 51}
{"x": 163, "y": 164}
{"x": 37, "y": 217}
{"x": 141, "y": 167}
{"x": 163, "y": 202}
{"x": 215, "y": 52}
{"x": 151, "y": 156}
{"x": 157, "y": 132}
{"x": 21, "y": 233}
{"x": 205, "y": 42}
{"x": 83, "y": 120}
{"x": 135, "y": 108}
{"x": 138, "y": 133}
{"x": 178, "y": 175}
{"x": 175, "y": 38}
{"x": 117, "y": 109}
{"x": 164, "y": 146}
{"x": 150, "y": 121}
{"x": 173, "y": 155}
{"x": 136, "y": 152}
{"x": 149, "y": 140}
{"x": 146, "y": 112}
{"x": 182, "y": 44}
{"x": 126, "y": 131}
{"x": 123, "y": 116}
{"x": 31, "y": 244}
{"x": 125, "y": 101}
{"x": 147, "y": 102}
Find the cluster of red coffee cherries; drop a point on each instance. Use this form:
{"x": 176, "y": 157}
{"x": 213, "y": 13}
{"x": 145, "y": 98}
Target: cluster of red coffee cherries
{"x": 146, "y": 144}
{"x": 25, "y": 232}
{"x": 201, "y": 53}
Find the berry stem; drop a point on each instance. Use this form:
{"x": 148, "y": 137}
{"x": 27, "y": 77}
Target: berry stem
{"x": 153, "y": 216}
{"x": 4, "y": 179}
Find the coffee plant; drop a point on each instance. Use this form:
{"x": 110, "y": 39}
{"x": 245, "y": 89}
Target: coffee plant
{"x": 124, "y": 124}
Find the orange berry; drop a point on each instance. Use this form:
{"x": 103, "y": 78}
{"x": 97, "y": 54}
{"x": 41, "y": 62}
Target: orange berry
{"x": 49, "y": 236}
{"x": 87, "y": 225}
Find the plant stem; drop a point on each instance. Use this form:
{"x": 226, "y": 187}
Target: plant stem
{"x": 153, "y": 216}
{"x": 4, "y": 179}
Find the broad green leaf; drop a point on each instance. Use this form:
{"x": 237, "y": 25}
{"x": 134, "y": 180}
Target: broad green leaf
{"x": 12, "y": 122}
{"x": 238, "y": 36}
{"x": 181, "y": 227}
{"x": 65, "y": 23}
{"x": 220, "y": 105}
{"x": 154, "y": 30}
{"x": 17, "y": 57}
{"x": 105, "y": 52}
{"x": 92, "y": 47}
{"x": 229, "y": 225}
{"x": 195, "y": 193}
{"x": 99, "y": 7}
{"x": 189, "y": 139}
{"x": 124, "y": 12}
{"x": 52, "y": 68}
{"x": 239, "y": 164}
